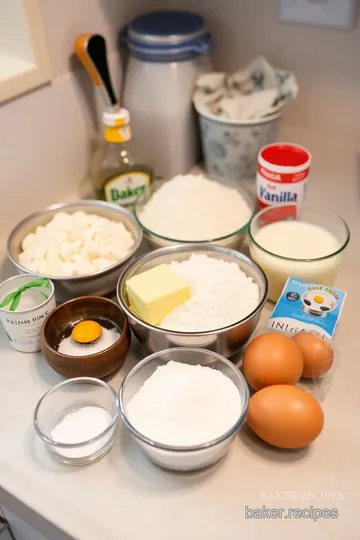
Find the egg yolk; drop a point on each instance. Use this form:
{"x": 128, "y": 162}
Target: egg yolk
{"x": 86, "y": 331}
{"x": 318, "y": 299}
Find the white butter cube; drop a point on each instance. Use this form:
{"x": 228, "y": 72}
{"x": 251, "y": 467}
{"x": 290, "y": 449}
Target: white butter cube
{"x": 24, "y": 260}
{"x": 38, "y": 250}
{"x": 85, "y": 267}
{"x": 101, "y": 264}
{"x": 67, "y": 269}
{"x": 28, "y": 241}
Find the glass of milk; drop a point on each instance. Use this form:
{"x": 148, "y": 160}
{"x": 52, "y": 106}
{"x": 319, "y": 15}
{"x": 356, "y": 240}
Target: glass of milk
{"x": 288, "y": 240}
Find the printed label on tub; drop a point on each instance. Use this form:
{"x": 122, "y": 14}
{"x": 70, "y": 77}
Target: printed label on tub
{"x": 275, "y": 188}
{"x": 304, "y": 307}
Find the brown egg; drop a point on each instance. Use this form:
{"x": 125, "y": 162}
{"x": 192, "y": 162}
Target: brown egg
{"x": 272, "y": 358}
{"x": 285, "y": 416}
{"x": 318, "y": 355}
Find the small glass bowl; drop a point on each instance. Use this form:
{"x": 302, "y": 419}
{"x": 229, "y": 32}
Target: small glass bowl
{"x": 321, "y": 270}
{"x": 68, "y": 397}
{"x": 183, "y": 458}
{"x": 233, "y": 240}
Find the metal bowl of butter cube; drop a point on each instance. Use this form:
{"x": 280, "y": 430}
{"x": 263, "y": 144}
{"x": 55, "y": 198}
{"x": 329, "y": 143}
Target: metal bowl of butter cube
{"x": 99, "y": 283}
{"x": 226, "y": 341}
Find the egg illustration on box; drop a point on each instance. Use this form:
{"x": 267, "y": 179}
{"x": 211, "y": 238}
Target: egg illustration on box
{"x": 318, "y": 303}
{"x": 307, "y": 307}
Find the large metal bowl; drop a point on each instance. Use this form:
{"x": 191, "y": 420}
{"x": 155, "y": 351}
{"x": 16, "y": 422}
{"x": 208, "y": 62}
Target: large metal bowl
{"x": 226, "y": 341}
{"x": 99, "y": 283}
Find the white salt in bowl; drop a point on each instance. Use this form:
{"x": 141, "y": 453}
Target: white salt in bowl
{"x": 183, "y": 458}
{"x": 68, "y": 398}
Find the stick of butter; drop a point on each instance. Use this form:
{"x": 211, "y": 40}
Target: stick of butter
{"x": 153, "y": 294}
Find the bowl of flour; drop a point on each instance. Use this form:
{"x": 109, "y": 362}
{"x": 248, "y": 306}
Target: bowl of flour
{"x": 194, "y": 208}
{"x": 184, "y": 407}
{"x": 228, "y": 293}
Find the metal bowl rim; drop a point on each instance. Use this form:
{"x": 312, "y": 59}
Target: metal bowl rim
{"x": 62, "y": 206}
{"x": 191, "y": 248}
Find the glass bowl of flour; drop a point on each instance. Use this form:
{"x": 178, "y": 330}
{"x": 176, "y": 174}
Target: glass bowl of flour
{"x": 184, "y": 407}
{"x": 194, "y": 208}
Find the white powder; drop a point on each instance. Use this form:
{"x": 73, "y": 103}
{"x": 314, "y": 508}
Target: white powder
{"x": 80, "y": 426}
{"x": 185, "y": 405}
{"x": 191, "y": 207}
{"x": 221, "y": 295}
{"x": 72, "y": 348}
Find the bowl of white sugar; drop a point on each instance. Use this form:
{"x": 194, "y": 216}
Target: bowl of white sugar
{"x": 227, "y": 294}
{"x": 184, "y": 407}
{"x": 194, "y": 208}
{"x": 77, "y": 420}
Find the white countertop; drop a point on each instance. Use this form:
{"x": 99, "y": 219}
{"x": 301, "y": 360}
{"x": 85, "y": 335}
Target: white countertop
{"x": 125, "y": 497}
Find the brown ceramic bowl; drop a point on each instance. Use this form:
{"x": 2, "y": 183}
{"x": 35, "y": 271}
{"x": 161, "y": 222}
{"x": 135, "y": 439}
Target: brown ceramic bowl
{"x": 59, "y": 323}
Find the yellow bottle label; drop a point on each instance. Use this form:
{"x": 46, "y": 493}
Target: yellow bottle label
{"x": 116, "y": 134}
{"x": 125, "y": 188}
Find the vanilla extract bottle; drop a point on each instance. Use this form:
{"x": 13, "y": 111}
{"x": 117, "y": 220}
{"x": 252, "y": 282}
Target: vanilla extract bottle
{"x": 116, "y": 175}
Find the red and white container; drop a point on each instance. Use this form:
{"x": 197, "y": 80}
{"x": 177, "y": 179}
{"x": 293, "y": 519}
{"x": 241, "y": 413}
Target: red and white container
{"x": 282, "y": 173}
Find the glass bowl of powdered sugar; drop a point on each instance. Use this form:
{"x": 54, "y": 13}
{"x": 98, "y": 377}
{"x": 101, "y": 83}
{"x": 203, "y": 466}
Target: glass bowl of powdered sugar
{"x": 184, "y": 407}
{"x": 195, "y": 208}
{"x": 77, "y": 420}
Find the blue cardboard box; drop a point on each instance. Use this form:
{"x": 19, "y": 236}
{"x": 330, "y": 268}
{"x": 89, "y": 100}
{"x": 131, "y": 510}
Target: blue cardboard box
{"x": 304, "y": 307}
